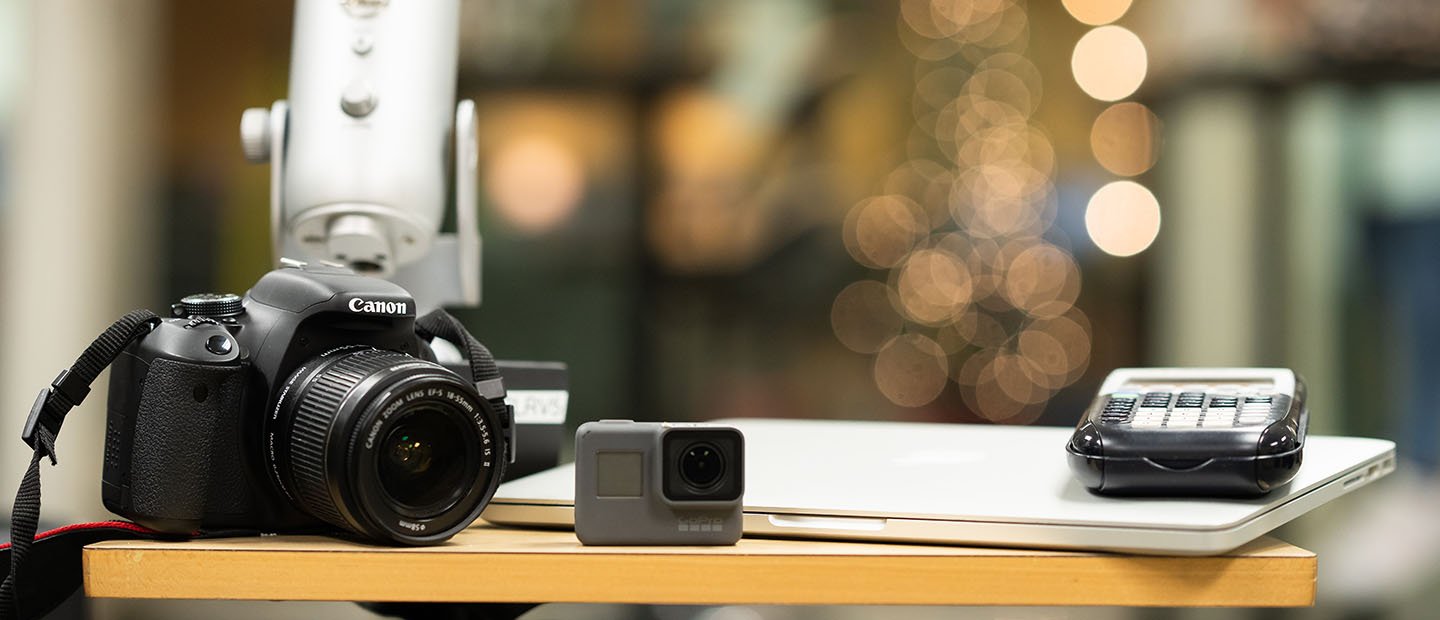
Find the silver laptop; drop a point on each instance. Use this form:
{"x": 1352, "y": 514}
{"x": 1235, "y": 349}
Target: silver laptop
{"x": 973, "y": 485}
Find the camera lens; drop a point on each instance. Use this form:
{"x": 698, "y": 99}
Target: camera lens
{"x": 385, "y": 445}
{"x": 701, "y": 465}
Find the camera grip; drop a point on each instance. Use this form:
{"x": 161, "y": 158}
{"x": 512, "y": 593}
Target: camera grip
{"x": 185, "y": 460}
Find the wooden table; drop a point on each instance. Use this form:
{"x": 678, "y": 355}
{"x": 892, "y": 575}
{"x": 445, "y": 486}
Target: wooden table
{"x": 500, "y": 565}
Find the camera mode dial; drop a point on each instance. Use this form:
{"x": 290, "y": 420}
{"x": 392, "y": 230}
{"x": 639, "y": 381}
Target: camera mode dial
{"x": 213, "y": 305}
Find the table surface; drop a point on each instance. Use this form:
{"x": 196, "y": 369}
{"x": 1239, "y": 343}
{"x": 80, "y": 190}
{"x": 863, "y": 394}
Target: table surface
{"x": 502, "y": 565}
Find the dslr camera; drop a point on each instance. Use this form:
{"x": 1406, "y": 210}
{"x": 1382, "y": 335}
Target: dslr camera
{"x": 312, "y": 402}
{"x": 651, "y": 483}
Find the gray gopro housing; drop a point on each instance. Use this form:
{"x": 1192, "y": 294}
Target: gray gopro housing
{"x": 658, "y": 483}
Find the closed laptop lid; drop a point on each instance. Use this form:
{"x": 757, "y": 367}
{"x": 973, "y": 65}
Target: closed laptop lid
{"x": 960, "y": 472}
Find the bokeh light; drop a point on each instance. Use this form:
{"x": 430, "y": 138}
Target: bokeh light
{"x": 1042, "y": 280}
{"x": 535, "y": 183}
{"x": 880, "y": 231}
{"x": 933, "y": 286}
{"x": 911, "y": 370}
{"x": 1072, "y": 331}
{"x": 1126, "y": 139}
{"x": 1043, "y": 351}
{"x": 863, "y": 317}
{"x": 1096, "y": 12}
{"x": 979, "y": 293}
{"x": 1123, "y": 218}
{"x": 1109, "y": 63}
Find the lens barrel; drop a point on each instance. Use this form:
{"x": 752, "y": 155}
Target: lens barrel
{"x": 386, "y": 445}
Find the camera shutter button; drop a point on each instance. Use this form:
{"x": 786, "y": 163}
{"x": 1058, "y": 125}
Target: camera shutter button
{"x": 219, "y": 345}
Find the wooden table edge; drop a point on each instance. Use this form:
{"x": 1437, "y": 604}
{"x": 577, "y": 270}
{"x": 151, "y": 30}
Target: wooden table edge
{"x": 1277, "y": 576}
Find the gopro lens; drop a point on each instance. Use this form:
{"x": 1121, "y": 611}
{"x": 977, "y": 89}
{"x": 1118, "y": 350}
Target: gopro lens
{"x": 701, "y": 465}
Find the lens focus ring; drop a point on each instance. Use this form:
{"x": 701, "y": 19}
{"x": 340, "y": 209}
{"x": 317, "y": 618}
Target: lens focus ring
{"x": 314, "y": 415}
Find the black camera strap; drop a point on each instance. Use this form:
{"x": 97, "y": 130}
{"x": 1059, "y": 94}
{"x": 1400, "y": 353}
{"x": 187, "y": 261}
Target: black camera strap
{"x": 483, "y": 370}
{"x": 440, "y": 324}
{"x": 42, "y": 428}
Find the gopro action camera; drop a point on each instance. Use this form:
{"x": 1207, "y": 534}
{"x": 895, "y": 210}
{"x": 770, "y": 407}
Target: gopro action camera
{"x": 313, "y": 402}
{"x": 655, "y": 483}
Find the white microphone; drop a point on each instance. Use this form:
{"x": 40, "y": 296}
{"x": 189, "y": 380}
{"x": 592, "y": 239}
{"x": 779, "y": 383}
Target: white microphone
{"x": 360, "y": 153}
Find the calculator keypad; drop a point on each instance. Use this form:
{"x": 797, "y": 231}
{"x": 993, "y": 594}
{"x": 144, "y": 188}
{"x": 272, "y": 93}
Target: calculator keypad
{"x": 1187, "y": 409}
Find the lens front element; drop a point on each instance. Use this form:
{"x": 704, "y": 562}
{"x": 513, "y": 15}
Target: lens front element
{"x": 422, "y": 462}
{"x": 701, "y": 465}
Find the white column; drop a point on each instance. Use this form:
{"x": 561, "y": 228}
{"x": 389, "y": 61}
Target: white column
{"x": 1320, "y": 225}
{"x": 75, "y": 241}
{"x": 1208, "y": 285}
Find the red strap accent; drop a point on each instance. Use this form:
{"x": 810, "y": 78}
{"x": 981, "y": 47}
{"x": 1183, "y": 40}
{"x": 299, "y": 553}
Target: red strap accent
{"x": 97, "y": 525}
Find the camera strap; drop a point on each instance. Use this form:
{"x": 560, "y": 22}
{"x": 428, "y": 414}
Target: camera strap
{"x": 483, "y": 370}
{"x": 440, "y": 324}
{"x": 42, "y": 427}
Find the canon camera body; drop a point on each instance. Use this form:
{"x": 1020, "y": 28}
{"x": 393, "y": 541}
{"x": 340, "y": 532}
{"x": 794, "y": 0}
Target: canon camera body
{"x": 311, "y": 402}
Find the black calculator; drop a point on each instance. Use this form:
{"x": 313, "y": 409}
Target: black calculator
{"x": 1191, "y": 431}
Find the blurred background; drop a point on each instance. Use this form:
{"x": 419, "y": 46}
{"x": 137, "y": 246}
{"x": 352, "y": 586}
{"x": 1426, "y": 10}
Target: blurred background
{"x": 934, "y": 210}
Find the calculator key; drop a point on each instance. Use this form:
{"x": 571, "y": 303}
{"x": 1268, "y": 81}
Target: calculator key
{"x": 1156, "y": 399}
